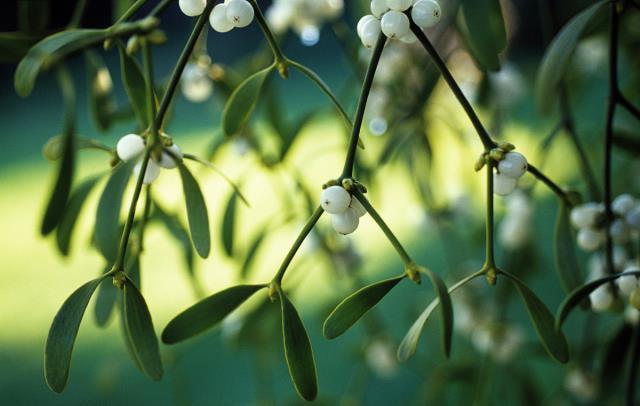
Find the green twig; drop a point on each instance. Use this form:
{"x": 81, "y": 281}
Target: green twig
{"x": 281, "y": 60}
{"x": 131, "y": 11}
{"x": 550, "y": 184}
{"x": 160, "y": 7}
{"x": 489, "y": 244}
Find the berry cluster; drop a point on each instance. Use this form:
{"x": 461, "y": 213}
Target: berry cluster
{"x": 131, "y": 146}
{"x": 225, "y": 16}
{"x": 303, "y": 16}
{"x": 509, "y": 165}
{"x": 589, "y": 219}
{"x": 345, "y": 210}
{"x": 389, "y": 17}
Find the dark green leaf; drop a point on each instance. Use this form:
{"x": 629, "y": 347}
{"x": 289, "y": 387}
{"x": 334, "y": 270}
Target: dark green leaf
{"x": 62, "y": 335}
{"x": 105, "y": 302}
{"x": 483, "y": 31}
{"x": 242, "y": 102}
{"x": 229, "y": 224}
{"x": 298, "y": 351}
{"x": 554, "y": 62}
{"x": 140, "y": 328}
{"x": 566, "y": 260}
{"x": 446, "y": 309}
{"x": 107, "y": 230}
{"x": 135, "y": 86}
{"x": 236, "y": 188}
{"x": 207, "y": 313}
{"x": 62, "y": 188}
{"x": 552, "y": 339}
{"x": 14, "y": 45}
{"x": 355, "y": 306}
{"x": 127, "y": 337}
{"x": 101, "y": 100}
{"x": 251, "y": 252}
{"x": 196, "y": 212}
{"x": 70, "y": 216}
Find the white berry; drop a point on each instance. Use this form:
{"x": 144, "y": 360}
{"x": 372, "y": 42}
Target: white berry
{"x": 619, "y": 231}
{"x": 633, "y": 217}
{"x": 218, "y": 19}
{"x": 346, "y": 222}
{"x": 335, "y": 200}
{"x": 503, "y": 185}
{"x": 379, "y": 7}
{"x": 239, "y": 13}
{"x": 361, "y": 23}
{"x": 129, "y": 147}
{"x": 622, "y": 204}
{"x": 394, "y": 24}
{"x": 192, "y": 8}
{"x": 585, "y": 215}
{"x": 426, "y": 13}
{"x": 166, "y": 159}
{"x": 627, "y": 283}
{"x": 589, "y": 240}
{"x": 195, "y": 83}
{"x": 357, "y": 207}
{"x": 370, "y": 32}
{"x": 601, "y": 298}
{"x": 513, "y": 165}
{"x": 399, "y": 5}
{"x": 151, "y": 174}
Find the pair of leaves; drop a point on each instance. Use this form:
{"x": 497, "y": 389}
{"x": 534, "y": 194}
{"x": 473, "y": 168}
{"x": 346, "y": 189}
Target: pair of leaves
{"x": 196, "y": 212}
{"x": 483, "y": 30}
{"x": 566, "y": 261}
{"x": 557, "y": 55}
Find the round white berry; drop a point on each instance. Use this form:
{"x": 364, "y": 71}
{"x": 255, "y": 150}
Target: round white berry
{"x": 335, "y": 200}
{"x": 218, "y": 19}
{"x": 379, "y": 7}
{"x": 409, "y": 38}
{"x": 151, "y": 174}
{"x": 346, "y": 222}
{"x": 622, "y": 204}
{"x": 192, "y": 8}
{"x": 619, "y": 231}
{"x": 633, "y": 217}
{"x": 513, "y": 165}
{"x": 399, "y": 5}
{"x": 166, "y": 159}
{"x": 239, "y": 13}
{"x": 627, "y": 283}
{"x": 129, "y": 147}
{"x": 503, "y": 185}
{"x": 601, "y": 298}
{"x": 365, "y": 19}
{"x": 394, "y": 24}
{"x": 195, "y": 83}
{"x": 585, "y": 215}
{"x": 357, "y": 207}
{"x": 589, "y": 240}
{"x": 426, "y": 13}
{"x": 370, "y": 32}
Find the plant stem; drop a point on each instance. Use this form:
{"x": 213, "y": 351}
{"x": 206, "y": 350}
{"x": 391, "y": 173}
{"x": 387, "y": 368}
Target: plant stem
{"x": 281, "y": 60}
{"x": 624, "y": 102}
{"x": 296, "y": 245}
{"x": 347, "y": 171}
{"x": 489, "y": 262}
{"x": 550, "y": 184}
{"x": 78, "y": 12}
{"x": 160, "y": 7}
{"x": 182, "y": 62}
{"x": 633, "y": 367}
{"x": 487, "y": 142}
{"x": 131, "y": 11}
{"x": 145, "y": 217}
{"x": 406, "y": 259}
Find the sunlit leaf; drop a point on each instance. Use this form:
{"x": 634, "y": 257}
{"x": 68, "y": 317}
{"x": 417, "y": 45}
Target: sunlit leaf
{"x": 140, "y": 328}
{"x": 483, "y": 31}
{"x": 62, "y": 335}
{"x": 229, "y": 224}
{"x": 355, "y": 306}
{"x": 62, "y": 188}
{"x": 552, "y": 339}
{"x": 554, "y": 62}
{"x": 566, "y": 260}
{"x": 207, "y": 313}
{"x": 242, "y": 102}
{"x": 298, "y": 351}
{"x": 196, "y": 212}
{"x": 72, "y": 210}
{"x": 135, "y": 86}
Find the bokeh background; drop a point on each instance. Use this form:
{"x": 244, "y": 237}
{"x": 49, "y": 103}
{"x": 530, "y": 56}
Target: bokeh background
{"x": 220, "y": 367}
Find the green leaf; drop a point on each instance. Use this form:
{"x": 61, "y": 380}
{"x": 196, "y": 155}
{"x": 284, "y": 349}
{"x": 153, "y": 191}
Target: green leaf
{"x": 252, "y": 251}
{"x": 566, "y": 260}
{"x": 71, "y": 213}
{"x": 105, "y": 303}
{"x": 179, "y": 232}
{"x": 107, "y": 229}
{"x": 101, "y": 100}
{"x": 298, "y": 351}
{"x": 62, "y": 335}
{"x": 446, "y": 309}
{"x": 196, "y": 212}
{"x": 135, "y": 85}
{"x": 236, "y": 188}
{"x": 552, "y": 339}
{"x": 355, "y": 306}
{"x": 243, "y": 101}
{"x": 554, "y": 63}
{"x": 582, "y": 293}
{"x": 140, "y": 328}
{"x": 59, "y": 197}
{"x": 207, "y": 313}
{"x": 483, "y": 31}
{"x": 229, "y": 224}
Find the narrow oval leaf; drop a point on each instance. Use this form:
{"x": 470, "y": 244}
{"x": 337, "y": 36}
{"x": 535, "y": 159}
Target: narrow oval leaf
{"x": 252, "y": 251}
{"x": 298, "y": 351}
{"x": 207, "y": 313}
{"x": 552, "y": 339}
{"x": 105, "y": 303}
{"x": 62, "y": 335}
{"x": 140, "y": 328}
{"x": 107, "y": 229}
{"x": 446, "y": 309}
{"x": 196, "y": 212}
{"x": 243, "y": 101}
{"x": 229, "y": 223}
{"x": 554, "y": 62}
{"x": 62, "y": 188}
{"x": 65, "y": 229}
{"x": 582, "y": 293}
{"x": 135, "y": 86}
{"x": 355, "y": 306}
{"x": 483, "y": 31}
{"x": 566, "y": 260}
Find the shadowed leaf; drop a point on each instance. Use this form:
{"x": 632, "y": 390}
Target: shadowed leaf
{"x": 65, "y": 229}
{"x": 483, "y": 31}
{"x": 58, "y": 201}
{"x": 135, "y": 86}
{"x": 196, "y": 212}
{"x": 566, "y": 261}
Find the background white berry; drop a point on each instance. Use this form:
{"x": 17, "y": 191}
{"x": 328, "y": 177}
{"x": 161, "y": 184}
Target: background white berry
{"x": 195, "y": 84}
{"x": 513, "y": 165}
{"x": 239, "y": 13}
{"x": 426, "y": 13}
{"x": 357, "y": 207}
{"x": 151, "y": 174}
{"x": 585, "y": 215}
{"x": 346, "y": 222}
{"x": 399, "y": 5}
{"x": 619, "y": 231}
{"x": 589, "y": 240}
{"x": 379, "y": 7}
{"x": 622, "y": 204}
{"x": 370, "y": 32}
{"x": 129, "y": 147}
{"x": 601, "y": 298}
{"x": 192, "y": 8}
{"x": 502, "y": 184}
{"x": 394, "y": 24}
{"x": 218, "y": 19}
{"x": 627, "y": 283}
{"x": 166, "y": 160}
{"x": 335, "y": 200}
